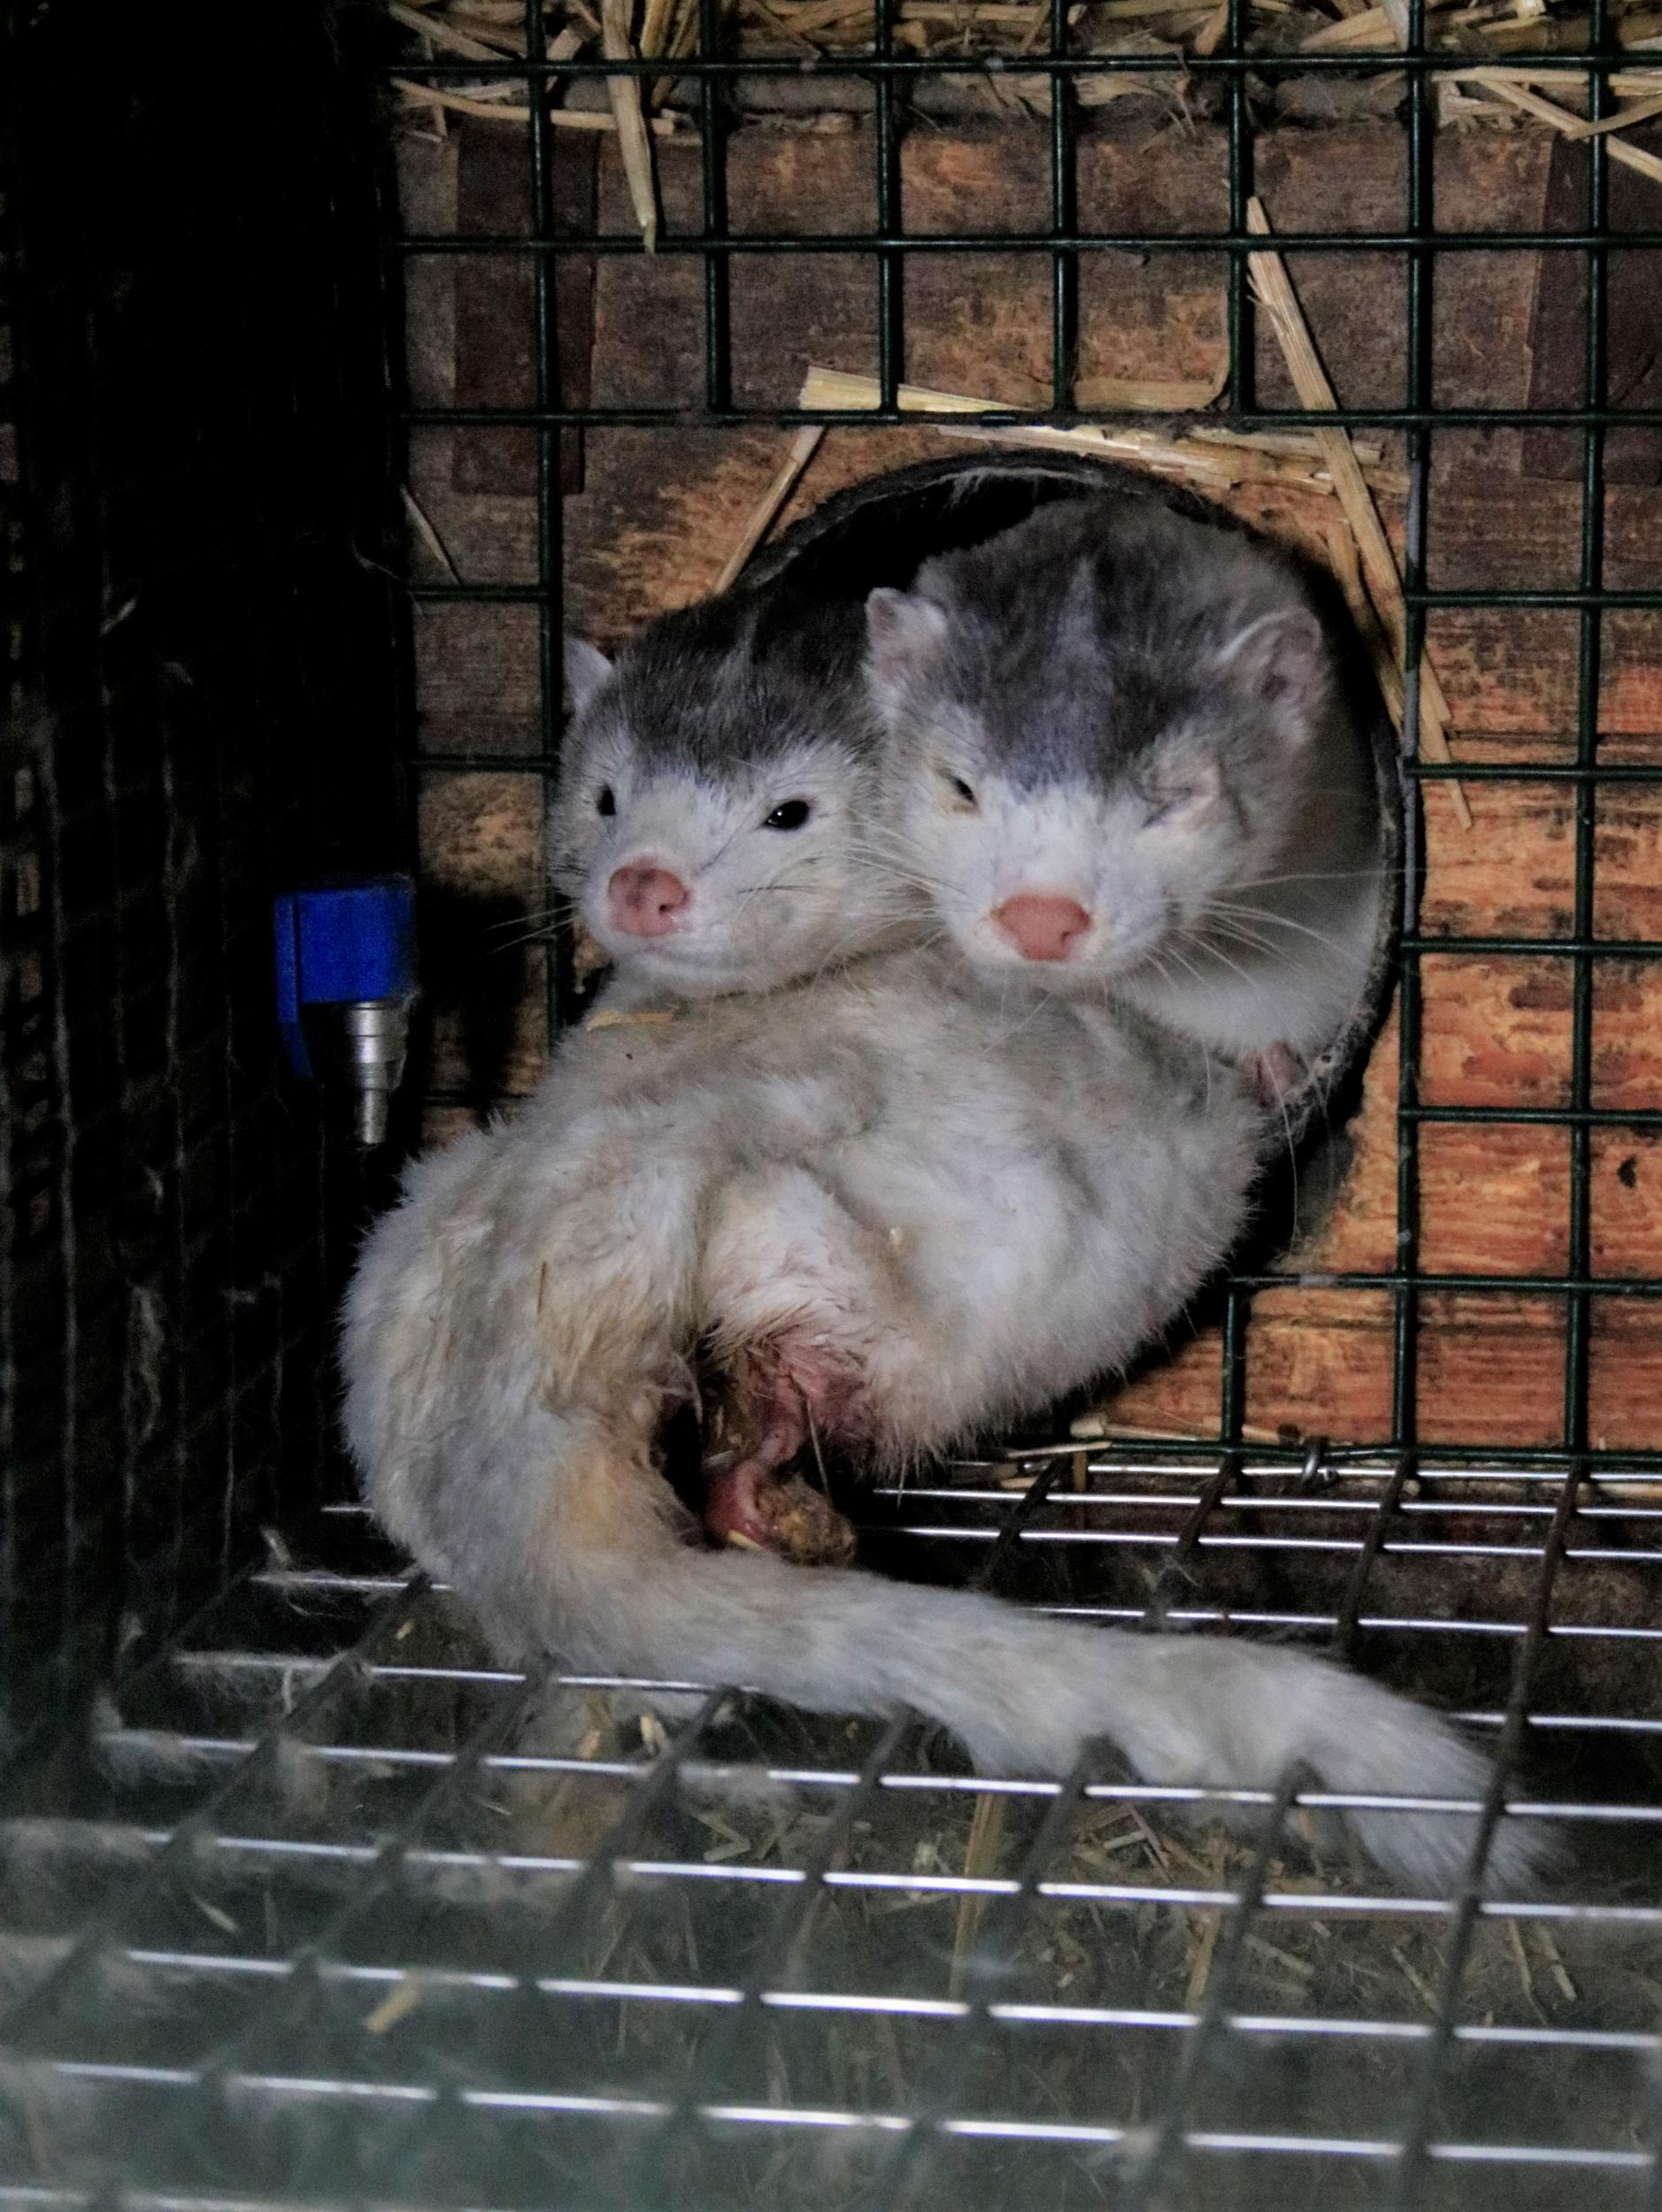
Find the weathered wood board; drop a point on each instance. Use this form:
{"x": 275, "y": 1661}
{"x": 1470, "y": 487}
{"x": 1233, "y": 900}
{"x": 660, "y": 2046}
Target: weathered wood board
{"x": 659, "y": 512}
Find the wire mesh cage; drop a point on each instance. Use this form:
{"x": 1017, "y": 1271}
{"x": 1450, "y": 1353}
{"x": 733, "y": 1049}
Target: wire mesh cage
{"x": 306, "y": 1899}
{"x": 176, "y": 642}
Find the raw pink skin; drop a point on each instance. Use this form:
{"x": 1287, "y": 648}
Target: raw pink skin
{"x": 776, "y": 1392}
{"x": 731, "y": 1507}
{"x": 1275, "y": 1074}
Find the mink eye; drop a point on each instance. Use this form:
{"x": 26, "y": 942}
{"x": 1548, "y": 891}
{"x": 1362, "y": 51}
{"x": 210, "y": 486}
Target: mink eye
{"x": 1168, "y": 805}
{"x": 605, "y": 803}
{"x": 791, "y": 816}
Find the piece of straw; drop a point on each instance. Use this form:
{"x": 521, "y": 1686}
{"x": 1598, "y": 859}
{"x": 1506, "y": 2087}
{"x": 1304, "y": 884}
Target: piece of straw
{"x": 1640, "y": 111}
{"x": 421, "y": 522}
{"x": 655, "y": 26}
{"x": 1572, "y": 126}
{"x": 664, "y": 31}
{"x": 1347, "y": 568}
{"x": 1216, "y": 459}
{"x": 501, "y": 111}
{"x": 686, "y": 41}
{"x": 805, "y": 17}
{"x": 1386, "y": 24}
{"x": 802, "y": 448}
{"x": 1103, "y": 1428}
{"x": 1200, "y": 1966}
{"x": 1152, "y": 398}
{"x": 440, "y": 31}
{"x": 1625, "y": 84}
{"x": 1274, "y": 288}
{"x": 1346, "y": 564}
{"x": 980, "y": 1857}
{"x": 634, "y": 143}
{"x": 1359, "y": 32}
{"x": 634, "y": 1017}
{"x": 1205, "y": 39}
{"x": 399, "y": 2002}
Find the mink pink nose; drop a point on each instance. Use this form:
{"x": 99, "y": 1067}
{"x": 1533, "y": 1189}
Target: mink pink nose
{"x": 643, "y": 901}
{"x": 1042, "y": 928}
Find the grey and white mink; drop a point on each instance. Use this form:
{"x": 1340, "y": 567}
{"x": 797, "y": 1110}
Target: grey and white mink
{"x": 715, "y": 784}
{"x": 710, "y": 827}
{"x": 875, "y": 1199}
{"x": 1119, "y": 755}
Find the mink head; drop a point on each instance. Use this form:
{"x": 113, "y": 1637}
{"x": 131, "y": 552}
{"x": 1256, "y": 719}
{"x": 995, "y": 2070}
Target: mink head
{"x": 715, "y": 787}
{"x": 1101, "y": 729}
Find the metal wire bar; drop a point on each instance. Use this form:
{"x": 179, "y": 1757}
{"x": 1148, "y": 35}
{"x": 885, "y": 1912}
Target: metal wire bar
{"x": 712, "y": 132}
{"x": 1241, "y": 328}
{"x": 284, "y": 2001}
{"x": 882, "y": 62}
{"x": 99, "y": 1932}
{"x": 1064, "y": 220}
{"x": 890, "y": 268}
{"x": 613, "y": 244}
{"x": 1174, "y": 1573}
{"x": 1160, "y": 2162}
{"x": 451, "y": 762}
{"x": 1588, "y": 663}
{"x": 1083, "y": 2018}
{"x": 550, "y": 566}
{"x": 605, "y": 243}
{"x": 649, "y": 2176}
{"x": 525, "y": 595}
{"x": 1412, "y": 2165}
{"x": 942, "y": 2095}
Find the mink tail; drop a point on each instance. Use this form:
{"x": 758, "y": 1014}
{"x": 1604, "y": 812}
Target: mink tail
{"x": 1025, "y": 1694}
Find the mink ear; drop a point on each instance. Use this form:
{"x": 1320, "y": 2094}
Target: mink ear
{"x": 1283, "y": 660}
{"x": 587, "y": 668}
{"x": 901, "y": 629}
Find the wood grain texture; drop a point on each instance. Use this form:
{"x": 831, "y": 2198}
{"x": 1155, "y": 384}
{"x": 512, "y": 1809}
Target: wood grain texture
{"x": 1633, "y": 323}
{"x": 660, "y": 509}
{"x": 484, "y": 1021}
{"x": 496, "y": 354}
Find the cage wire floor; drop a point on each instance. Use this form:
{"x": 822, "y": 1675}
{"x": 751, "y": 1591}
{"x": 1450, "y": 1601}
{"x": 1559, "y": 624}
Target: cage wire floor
{"x": 337, "y": 1908}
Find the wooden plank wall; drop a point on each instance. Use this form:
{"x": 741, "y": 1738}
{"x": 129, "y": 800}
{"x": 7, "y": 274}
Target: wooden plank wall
{"x": 656, "y": 513}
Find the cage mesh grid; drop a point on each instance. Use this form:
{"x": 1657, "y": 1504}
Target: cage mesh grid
{"x": 165, "y": 1273}
{"x": 186, "y": 649}
{"x": 327, "y": 1905}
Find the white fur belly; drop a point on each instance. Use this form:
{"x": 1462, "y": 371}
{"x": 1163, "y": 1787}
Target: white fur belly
{"x": 983, "y": 1240}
